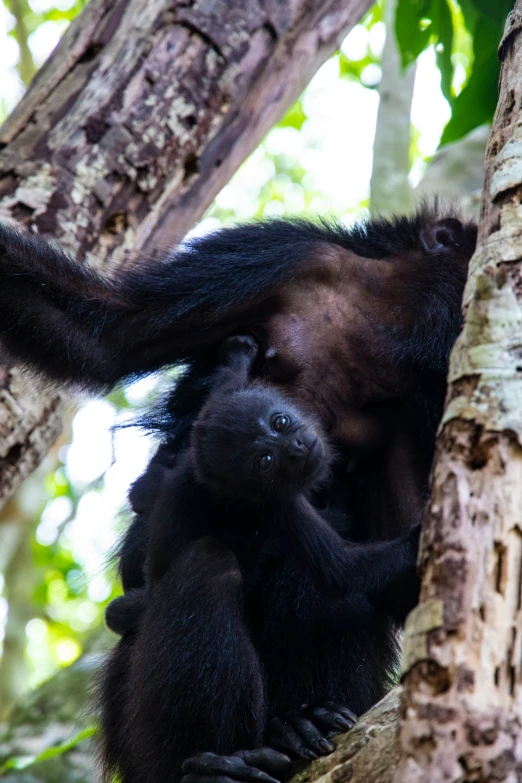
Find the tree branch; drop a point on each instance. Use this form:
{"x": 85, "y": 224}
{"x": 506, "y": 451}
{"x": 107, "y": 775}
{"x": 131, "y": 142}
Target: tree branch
{"x": 138, "y": 119}
{"x": 390, "y": 190}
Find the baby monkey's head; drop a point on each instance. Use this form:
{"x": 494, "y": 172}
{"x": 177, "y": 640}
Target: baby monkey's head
{"x": 254, "y": 443}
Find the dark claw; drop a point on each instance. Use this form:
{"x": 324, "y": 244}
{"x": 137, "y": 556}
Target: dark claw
{"x": 331, "y": 719}
{"x": 305, "y": 733}
{"x": 344, "y": 711}
{"x": 325, "y": 746}
{"x": 284, "y": 737}
{"x": 312, "y": 736}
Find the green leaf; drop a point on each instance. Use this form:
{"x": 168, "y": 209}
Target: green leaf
{"x": 475, "y": 105}
{"x": 477, "y": 102}
{"x": 444, "y": 48}
{"x": 495, "y": 9}
{"x": 22, "y": 762}
{"x": 411, "y": 33}
{"x": 294, "y": 117}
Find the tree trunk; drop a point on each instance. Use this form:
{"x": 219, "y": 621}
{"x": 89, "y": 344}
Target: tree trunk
{"x": 461, "y": 708}
{"x": 127, "y": 133}
{"x": 30, "y": 421}
{"x": 390, "y": 190}
{"x": 462, "y": 663}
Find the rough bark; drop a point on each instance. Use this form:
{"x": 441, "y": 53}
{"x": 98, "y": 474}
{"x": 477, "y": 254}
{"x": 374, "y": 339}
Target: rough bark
{"x": 127, "y": 133}
{"x": 462, "y": 703}
{"x": 390, "y": 190}
{"x": 30, "y": 421}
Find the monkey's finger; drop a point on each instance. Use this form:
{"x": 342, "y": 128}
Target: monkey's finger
{"x": 283, "y": 737}
{"x": 342, "y": 710}
{"x": 330, "y": 720}
{"x": 268, "y": 759}
{"x": 212, "y": 765}
{"x": 313, "y": 737}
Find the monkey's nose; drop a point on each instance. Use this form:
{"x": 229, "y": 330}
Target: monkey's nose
{"x": 301, "y": 447}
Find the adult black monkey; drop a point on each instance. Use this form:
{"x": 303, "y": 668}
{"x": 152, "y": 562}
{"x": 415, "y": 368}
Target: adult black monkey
{"x": 355, "y": 323}
{"x": 204, "y": 671}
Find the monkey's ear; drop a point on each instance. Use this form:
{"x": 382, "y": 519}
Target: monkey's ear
{"x": 445, "y": 234}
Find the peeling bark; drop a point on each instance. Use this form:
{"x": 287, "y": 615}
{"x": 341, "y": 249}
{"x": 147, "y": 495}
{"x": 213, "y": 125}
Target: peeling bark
{"x": 30, "y": 422}
{"x": 139, "y": 118}
{"x": 462, "y": 702}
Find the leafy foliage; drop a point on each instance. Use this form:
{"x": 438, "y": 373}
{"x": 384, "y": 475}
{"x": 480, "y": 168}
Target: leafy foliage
{"x": 438, "y": 23}
{"x": 23, "y": 762}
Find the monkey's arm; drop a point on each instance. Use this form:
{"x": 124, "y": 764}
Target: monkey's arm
{"x": 181, "y": 513}
{"x": 336, "y": 564}
{"x": 239, "y": 353}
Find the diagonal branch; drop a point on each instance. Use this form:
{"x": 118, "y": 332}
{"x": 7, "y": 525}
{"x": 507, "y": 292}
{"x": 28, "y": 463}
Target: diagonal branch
{"x": 139, "y": 118}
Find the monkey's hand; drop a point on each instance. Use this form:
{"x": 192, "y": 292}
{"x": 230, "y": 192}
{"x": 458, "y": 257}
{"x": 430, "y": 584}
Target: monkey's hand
{"x": 239, "y": 345}
{"x": 239, "y": 353}
{"x": 263, "y": 765}
{"x": 305, "y": 733}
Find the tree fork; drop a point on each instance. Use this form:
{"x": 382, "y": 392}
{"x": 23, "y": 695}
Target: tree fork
{"x": 139, "y": 118}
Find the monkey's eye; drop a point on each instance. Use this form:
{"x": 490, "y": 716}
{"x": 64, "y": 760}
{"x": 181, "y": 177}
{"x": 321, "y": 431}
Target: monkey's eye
{"x": 280, "y": 422}
{"x": 265, "y": 462}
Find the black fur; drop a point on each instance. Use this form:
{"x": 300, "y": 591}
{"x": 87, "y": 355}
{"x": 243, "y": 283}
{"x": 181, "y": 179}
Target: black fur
{"x": 370, "y": 361}
{"x": 239, "y": 566}
{"x": 78, "y": 325}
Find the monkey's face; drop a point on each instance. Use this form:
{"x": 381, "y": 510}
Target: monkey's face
{"x": 255, "y": 443}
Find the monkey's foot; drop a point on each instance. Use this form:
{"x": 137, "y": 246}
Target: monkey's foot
{"x": 263, "y": 765}
{"x": 305, "y": 733}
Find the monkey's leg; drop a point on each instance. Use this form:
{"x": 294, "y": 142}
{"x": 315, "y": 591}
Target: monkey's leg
{"x": 335, "y": 655}
{"x": 194, "y": 682}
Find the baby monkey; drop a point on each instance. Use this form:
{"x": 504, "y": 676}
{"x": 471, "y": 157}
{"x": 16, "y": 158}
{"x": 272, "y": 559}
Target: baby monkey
{"x": 246, "y": 478}
{"x": 251, "y": 442}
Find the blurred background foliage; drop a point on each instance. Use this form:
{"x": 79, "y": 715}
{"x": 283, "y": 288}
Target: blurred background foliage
{"x": 57, "y": 534}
